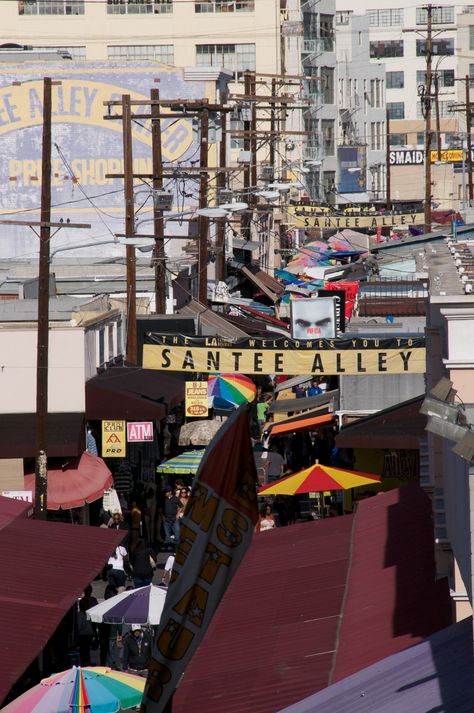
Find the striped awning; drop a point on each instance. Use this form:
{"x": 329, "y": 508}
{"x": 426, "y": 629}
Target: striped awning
{"x": 185, "y": 463}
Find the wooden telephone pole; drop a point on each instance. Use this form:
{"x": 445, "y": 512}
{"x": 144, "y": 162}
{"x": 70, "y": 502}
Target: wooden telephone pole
{"x": 427, "y": 101}
{"x": 159, "y": 227}
{"x": 131, "y": 353}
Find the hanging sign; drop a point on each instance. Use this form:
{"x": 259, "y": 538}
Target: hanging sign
{"x": 24, "y": 495}
{"x": 395, "y": 355}
{"x": 114, "y": 444}
{"x": 196, "y": 403}
{"x": 305, "y": 218}
{"x": 139, "y": 431}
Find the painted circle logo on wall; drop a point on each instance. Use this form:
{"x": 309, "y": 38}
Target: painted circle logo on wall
{"x": 78, "y": 101}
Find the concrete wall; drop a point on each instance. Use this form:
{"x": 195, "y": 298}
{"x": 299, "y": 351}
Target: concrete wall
{"x": 18, "y": 370}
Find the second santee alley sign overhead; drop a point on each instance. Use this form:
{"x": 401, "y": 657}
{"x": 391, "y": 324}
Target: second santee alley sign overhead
{"x": 396, "y": 355}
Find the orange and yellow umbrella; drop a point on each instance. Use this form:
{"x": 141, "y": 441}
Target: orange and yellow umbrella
{"x": 318, "y": 478}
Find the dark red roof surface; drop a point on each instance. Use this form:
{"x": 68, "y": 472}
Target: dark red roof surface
{"x": 45, "y": 567}
{"x": 272, "y": 640}
{"x": 274, "y": 637}
{"x": 393, "y": 600}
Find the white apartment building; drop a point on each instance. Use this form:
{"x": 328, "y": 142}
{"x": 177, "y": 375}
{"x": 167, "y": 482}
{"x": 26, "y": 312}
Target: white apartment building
{"x": 362, "y": 110}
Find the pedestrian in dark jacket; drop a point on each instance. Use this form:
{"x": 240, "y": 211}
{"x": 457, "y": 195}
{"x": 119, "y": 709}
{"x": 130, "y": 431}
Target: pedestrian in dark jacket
{"x": 143, "y": 561}
{"x": 137, "y": 651}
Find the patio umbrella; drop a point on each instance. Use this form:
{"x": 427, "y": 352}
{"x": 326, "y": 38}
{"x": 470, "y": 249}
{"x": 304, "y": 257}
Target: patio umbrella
{"x": 237, "y": 389}
{"x": 184, "y": 464}
{"x": 198, "y": 433}
{"x": 137, "y": 606}
{"x": 93, "y": 689}
{"x": 318, "y": 478}
{"x": 81, "y": 481}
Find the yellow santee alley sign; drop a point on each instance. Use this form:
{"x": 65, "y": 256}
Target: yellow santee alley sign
{"x": 396, "y": 355}
{"x": 308, "y": 218}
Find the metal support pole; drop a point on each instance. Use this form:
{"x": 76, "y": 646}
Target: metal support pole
{"x": 129, "y": 231}
{"x": 429, "y": 51}
{"x": 469, "y": 139}
{"x": 157, "y": 167}
{"x": 221, "y": 183}
{"x": 41, "y": 466}
{"x": 203, "y": 221}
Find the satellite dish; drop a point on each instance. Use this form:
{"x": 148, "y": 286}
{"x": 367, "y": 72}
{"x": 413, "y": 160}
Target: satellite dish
{"x": 234, "y": 207}
{"x": 136, "y": 240}
{"x": 213, "y": 212}
{"x": 268, "y": 195}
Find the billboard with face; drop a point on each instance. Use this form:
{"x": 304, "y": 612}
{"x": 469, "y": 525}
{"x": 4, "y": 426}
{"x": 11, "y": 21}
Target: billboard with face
{"x": 86, "y": 147}
{"x": 352, "y": 162}
{"x": 313, "y": 318}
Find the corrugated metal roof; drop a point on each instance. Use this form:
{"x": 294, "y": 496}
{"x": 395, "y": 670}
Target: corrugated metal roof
{"x": 436, "y": 675}
{"x": 393, "y": 600}
{"x": 211, "y": 322}
{"x": 272, "y": 639}
{"x": 307, "y": 402}
{"x": 45, "y": 567}
{"x": 275, "y": 633}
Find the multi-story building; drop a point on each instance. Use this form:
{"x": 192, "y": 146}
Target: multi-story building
{"x": 362, "y": 114}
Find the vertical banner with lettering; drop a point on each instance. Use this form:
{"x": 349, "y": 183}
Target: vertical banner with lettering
{"x": 216, "y": 531}
{"x": 114, "y": 439}
{"x": 196, "y": 399}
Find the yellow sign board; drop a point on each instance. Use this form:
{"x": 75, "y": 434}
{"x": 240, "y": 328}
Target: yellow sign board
{"x": 196, "y": 404}
{"x": 114, "y": 439}
{"x": 285, "y": 356}
{"x": 447, "y": 155}
{"x": 307, "y": 218}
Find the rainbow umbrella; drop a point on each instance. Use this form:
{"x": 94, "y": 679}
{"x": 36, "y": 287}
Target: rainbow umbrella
{"x": 93, "y": 689}
{"x": 318, "y": 478}
{"x": 236, "y": 389}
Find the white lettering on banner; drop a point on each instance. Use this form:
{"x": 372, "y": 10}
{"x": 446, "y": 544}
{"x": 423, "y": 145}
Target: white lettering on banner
{"x": 24, "y": 495}
{"x": 139, "y": 431}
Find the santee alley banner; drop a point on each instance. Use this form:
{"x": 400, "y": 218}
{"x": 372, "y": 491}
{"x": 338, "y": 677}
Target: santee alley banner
{"x": 86, "y": 147}
{"x": 308, "y": 217}
{"x": 216, "y": 531}
{"x": 396, "y": 355}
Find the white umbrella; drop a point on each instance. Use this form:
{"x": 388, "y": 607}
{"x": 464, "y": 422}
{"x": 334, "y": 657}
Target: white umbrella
{"x": 135, "y": 606}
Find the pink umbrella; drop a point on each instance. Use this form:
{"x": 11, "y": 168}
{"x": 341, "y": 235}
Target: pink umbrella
{"x": 81, "y": 481}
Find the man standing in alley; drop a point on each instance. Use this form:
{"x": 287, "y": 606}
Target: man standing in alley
{"x": 137, "y": 651}
{"x": 172, "y": 507}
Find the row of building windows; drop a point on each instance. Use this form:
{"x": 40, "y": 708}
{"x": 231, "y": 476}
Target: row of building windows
{"x": 396, "y": 110}
{"x": 129, "y": 7}
{"x": 393, "y": 17}
{"x": 396, "y": 80}
{"x": 384, "y": 49}
{"x": 450, "y": 139}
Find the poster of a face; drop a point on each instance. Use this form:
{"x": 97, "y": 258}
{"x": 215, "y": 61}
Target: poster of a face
{"x": 313, "y": 318}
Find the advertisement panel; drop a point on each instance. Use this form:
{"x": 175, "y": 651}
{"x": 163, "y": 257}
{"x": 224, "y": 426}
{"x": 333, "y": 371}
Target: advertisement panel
{"x": 196, "y": 399}
{"x": 313, "y": 318}
{"x": 139, "y": 431}
{"x": 25, "y": 495}
{"x": 352, "y": 161}
{"x": 396, "y": 355}
{"x": 114, "y": 441}
{"x": 86, "y": 146}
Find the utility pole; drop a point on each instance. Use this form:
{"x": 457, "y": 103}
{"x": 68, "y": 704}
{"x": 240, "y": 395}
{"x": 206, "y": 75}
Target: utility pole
{"x": 221, "y": 182}
{"x": 203, "y": 220}
{"x": 427, "y": 100}
{"x": 129, "y": 231}
{"x": 469, "y": 139}
{"x": 41, "y": 466}
{"x": 438, "y": 121}
{"x": 245, "y": 222}
{"x": 157, "y": 167}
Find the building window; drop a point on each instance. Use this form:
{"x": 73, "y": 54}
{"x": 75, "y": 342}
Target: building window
{"x": 445, "y": 77}
{"x": 159, "y": 53}
{"x": 51, "y": 7}
{"x": 76, "y": 53}
{"x": 444, "y": 109}
{"x": 329, "y": 186}
{"x": 439, "y": 15}
{"x": 385, "y": 18}
{"x": 376, "y": 139}
{"x": 420, "y": 138}
{"x": 327, "y": 84}
{"x": 342, "y": 18}
{"x": 236, "y": 124}
{"x": 395, "y": 80}
{"x": 440, "y": 47}
{"x": 225, "y": 6}
{"x": 396, "y": 110}
{"x": 326, "y": 32}
{"x": 327, "y": 131}
{"x": 389, "y": 48}
{"x": 139, "y": 7}
{"x": 471, "y": 37}
{"x": 237, "y": 58}
{"x": 398, "y": 140}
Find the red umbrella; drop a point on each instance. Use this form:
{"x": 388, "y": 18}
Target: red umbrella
{"x": 81, "y": 481}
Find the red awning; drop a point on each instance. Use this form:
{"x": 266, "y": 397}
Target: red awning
{"x": 306, "y": 420}
{"x": 45, "y": 567}
{"x": 132, "y": 393}
{"x": 81, "y": 481}
{"x": 276, "y": 634}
